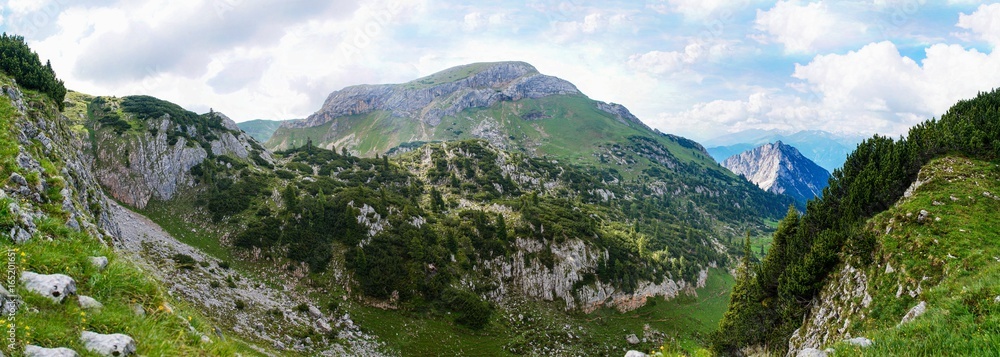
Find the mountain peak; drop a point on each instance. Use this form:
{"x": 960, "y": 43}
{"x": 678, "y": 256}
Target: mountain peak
{"x": 780, "y": 168}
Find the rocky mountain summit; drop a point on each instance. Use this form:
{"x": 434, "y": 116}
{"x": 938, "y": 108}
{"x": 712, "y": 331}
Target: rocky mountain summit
{"x": 431, "y": 98}
{"x": 509, "y": 104}
{"x": 781, "y": 169}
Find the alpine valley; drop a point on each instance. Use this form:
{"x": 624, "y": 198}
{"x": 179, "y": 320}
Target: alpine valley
{"x": 487, "y": 209}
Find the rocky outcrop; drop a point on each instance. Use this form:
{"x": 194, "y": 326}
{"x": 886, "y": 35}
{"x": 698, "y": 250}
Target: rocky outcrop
{"x": 503, "y": 81}
{"x": 137, "y": 167}
{"x": 572, "y": 261}
{"x": 844, "y": 298}
{"x": 781, "y": 169}
{"x": 60, "y": 143}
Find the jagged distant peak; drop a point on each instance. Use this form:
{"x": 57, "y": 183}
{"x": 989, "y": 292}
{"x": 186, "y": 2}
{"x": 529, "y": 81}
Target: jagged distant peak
{"x": 780, "y": 168}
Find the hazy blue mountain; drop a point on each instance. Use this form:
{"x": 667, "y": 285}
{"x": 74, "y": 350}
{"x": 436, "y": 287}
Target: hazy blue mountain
{"x": 260, "y": 129}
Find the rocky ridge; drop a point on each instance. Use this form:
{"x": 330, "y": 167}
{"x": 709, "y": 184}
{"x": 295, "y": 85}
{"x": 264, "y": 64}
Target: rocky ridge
{"x": 504, "y": 81}
{"x": 149, "y": 167}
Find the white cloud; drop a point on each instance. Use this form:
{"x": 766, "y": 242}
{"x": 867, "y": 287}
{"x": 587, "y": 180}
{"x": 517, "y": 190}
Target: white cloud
{"x": 595, "y": 22}
{"x": 673, "y": 62}
{"x": 984, "y": 22}
{"x": 872, "y": 90}
{"x": 804, "y": 28}
{"x": 693, "y": 9}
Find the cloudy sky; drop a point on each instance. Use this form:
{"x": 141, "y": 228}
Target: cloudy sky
{"x": 698, "y": 68}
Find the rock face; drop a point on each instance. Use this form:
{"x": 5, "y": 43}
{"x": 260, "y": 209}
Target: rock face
{"x": 509, "y": 81}
{"x": 52, "y": 286}
{"x": 138, "y": 167}
{"x": 573, "y": 259}
{"x": 781, "y": 169}
{"x": 113, "y": 345}
{"x": 843, "y": 297}
{"x": 61, "y": 143}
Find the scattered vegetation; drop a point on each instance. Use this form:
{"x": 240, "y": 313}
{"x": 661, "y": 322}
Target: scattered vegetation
{"x": 771, "y": 300}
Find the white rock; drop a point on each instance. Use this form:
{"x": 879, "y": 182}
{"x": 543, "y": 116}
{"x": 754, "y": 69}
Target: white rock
{"x": 138, "y": 310}
{"x": 36, "y": 351}
{"x": 923, "y": 215}
{"x": 810, "y": 352}
{"x": 116, "y": 345}
{"x": 634, "y": 354}
{"x": 889, "y": 269}
{"x": 89, "y": 303}
{"x": 53, "y": 286}
{"x": 315, "y": 313}
{"x": 632, "y": 339}
{"x": 915, "y": 312}
{"x": 860, "y": 342}
{"x": 99, "y": 262}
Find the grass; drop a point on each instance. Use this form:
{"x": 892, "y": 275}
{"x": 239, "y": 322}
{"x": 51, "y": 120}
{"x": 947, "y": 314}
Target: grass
{"x": 952, "y": 256}
{"x": 163, "y": 331}
{"x": 260, "y": 129}
{"x": 685, "y": 321}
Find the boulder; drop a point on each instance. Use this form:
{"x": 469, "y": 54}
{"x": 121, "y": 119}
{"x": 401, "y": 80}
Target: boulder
{"x": 17, "y": 179}
{"x": 315, "y": 313}
{"x": 99, "y": 262}
{"x": 914, "y": 313}
{"x": 115, "y": 345}
{"x": 89, "y": 303}
{"x": 923, "y": 215}
{"x": 632, "y": 339}
{"x": 53, "y": 286}
{"x": 634, "y": 353}
{"x": 860, "y": 342}
{"x": 811, "y": 352}
{"x": 36, "y": 351}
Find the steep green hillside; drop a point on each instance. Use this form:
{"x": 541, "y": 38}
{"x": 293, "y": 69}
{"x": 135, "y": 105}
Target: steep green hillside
{"x": 806, "y": 251}
{"x": 260, "y": 129}
{"x": 938, "y": 247}
{"x": 52, "y": 220}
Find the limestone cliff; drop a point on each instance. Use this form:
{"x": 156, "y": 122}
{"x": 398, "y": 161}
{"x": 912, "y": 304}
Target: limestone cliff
{"x": 155, "y": 163}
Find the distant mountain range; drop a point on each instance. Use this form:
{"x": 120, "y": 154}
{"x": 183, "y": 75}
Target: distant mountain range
{"x": 780, "y": 169}
{"x": 826, "y": 149}
{"x": 260, "y": 129}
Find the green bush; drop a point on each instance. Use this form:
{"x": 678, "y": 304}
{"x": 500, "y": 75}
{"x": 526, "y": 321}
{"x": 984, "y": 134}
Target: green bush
{"x": 21, "y": 63}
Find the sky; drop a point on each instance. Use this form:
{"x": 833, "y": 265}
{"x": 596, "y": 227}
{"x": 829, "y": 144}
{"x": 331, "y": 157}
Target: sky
{"x": 697, "y": 68}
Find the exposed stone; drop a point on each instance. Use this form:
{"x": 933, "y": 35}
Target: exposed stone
{"x": 811, "y": 352}
{"x": 138, "y": 310}
{"x": 116, "y": 345}
{"x": 89, "y": 303}
{"x": 37, "y": 351}
{"x": 632, "y": 339}
{"x": 99, "y": 262}
{"x": 315, "y": 313}
{"x": 923, "y": 215}
{"x": 889, "y": 269}
{"x": 937, "y": 203}
{"x": 780, "y": 169}
{"x": 53, "y": 286}
{"x": 860, "y": 342}
{"x": 634, "y": 353}
{"x": 17, "y": 179}
{"x": 914, "y": 312}
{"x": 8, "y": 302}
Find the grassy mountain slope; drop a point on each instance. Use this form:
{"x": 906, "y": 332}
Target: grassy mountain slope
{"x": 260, "y": 129}
{"x": 947, "y": 260}
{"x": 770, "y": 304}
{"x": 564, "y": 126}
{"x": 63, "y": 217}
